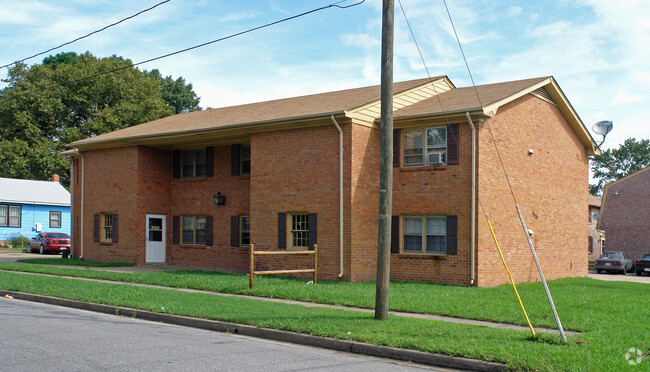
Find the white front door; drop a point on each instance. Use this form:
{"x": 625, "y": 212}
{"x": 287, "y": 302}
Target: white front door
{"x": 156, "y": 246}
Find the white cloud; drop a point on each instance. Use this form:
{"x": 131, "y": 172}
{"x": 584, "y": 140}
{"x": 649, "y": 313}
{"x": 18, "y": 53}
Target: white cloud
{"x": 514, "y": 11}
{"x": 623, "y": 97}
{"x": 360, "y": 40}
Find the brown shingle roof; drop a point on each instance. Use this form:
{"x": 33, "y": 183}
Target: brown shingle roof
{"x": 594, "y": 201}
{"x": 269, "y": 111}
{"x": 464, "y": 99}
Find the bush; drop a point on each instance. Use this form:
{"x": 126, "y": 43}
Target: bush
{"x": 19, "y": 241}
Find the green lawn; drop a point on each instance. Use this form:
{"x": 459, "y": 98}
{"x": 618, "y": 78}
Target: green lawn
{"x": 611, "y": 315}
{"x": 73, "y": 262}
{"x": 12, "y": 249}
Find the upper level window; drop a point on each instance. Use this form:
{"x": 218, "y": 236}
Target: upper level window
{"x": 194, "y": 163}
{"x": 245, "y": 160}
{"x": 427, "y": 146}
{"x": 55, "y": 219}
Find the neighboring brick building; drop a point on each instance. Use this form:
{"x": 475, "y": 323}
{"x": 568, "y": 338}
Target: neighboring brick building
{"x": 596, "y": 239}
{"x": 148, "y": 193}
{"x": 626, "y": 214}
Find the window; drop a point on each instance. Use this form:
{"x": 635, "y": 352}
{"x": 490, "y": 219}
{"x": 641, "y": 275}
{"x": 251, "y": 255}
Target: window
{"x": 55, "y": 219}
{"x": 106, "y": 228}
{"x": 300, "y": 230}
{"x": 245, "y": 160}
{"x": 194, "y": 230}
{"x": 15, "y": 214}
{"x": 245, "y": 230}
{"x": 3, "y": 215}
{"x": 424, "y": 234}
{"x": 425, "y": 146}
{"x": 193, "y": 163}
{"x": 591, "y": 245}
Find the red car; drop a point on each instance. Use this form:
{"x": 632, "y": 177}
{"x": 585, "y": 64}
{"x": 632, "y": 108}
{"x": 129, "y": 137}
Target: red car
{"x": 49, "y": 242}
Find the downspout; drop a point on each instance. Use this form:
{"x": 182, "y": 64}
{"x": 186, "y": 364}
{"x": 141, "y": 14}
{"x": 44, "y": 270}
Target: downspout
{"x": 81, "y": 218}
{"x": 340, "y": 196}
{"x": 473, "y": 222}
{"x": 72, "y": 207}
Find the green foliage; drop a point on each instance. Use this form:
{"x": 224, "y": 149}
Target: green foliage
{"x": 180, "y": 97}
{"x": 46, "y": 106}
{"x": 19, "y": 241}
{"x": 614, "y": 164}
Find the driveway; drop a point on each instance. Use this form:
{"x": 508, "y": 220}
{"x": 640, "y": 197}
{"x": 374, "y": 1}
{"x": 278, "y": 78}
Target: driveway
{"x": 9, "y": 256}
{"x": 616, "y": 277}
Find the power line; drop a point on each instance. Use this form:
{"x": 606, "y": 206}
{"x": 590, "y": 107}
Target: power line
{"x": 333, "y": 5}
{"x": 85, "y": 36}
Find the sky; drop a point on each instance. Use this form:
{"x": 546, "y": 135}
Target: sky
{"x": 597, "y": 50}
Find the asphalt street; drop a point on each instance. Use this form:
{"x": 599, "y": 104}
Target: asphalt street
{"x": 41, "y": 337}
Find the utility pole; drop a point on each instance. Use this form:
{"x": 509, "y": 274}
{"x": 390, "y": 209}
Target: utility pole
{"x": 386, "y": 162}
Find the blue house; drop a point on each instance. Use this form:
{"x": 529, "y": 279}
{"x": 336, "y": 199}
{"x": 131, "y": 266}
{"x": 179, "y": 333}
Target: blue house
{"x": 28, "y": 207}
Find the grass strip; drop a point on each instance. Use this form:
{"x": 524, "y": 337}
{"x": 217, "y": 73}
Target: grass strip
{"x": 73, "y": 262}
{"x": 500, "y": 345}
{"x": 582, "y": 303}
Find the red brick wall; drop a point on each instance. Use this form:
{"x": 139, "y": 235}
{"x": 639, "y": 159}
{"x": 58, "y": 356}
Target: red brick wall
{"x": 111, "y": 186}
{"x": 442, "y": 190}
{"x": 195, "y": 197}
{"x": 626, "y": 216}
{"x": 551, "y": 188}
{"x": 295, "y": 171}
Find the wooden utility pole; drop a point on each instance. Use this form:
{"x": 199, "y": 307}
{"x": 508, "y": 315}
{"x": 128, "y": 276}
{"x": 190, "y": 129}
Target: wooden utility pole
{"x": 386, "y": 162}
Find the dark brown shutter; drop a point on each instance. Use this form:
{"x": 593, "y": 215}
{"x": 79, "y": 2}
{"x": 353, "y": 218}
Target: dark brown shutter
{"x": 115, "y": 230}
{"x": 176, "y": 229}
{"x": 176, "y": 163}
{"x": 96, "y": 227}
{"x": 452, "y": 234}
{"x": 394, "y": 234}
{"x": 282, "y": 230}
{"x": 209, "y": 161}
{"x": 452, "y": 143}
{"x": 397, "y": 149}
{"x": 208, "y": 231}
{"x": 312, "y": 234}
{"x": 234, "y": 231}
{"x": 235, "y": 155}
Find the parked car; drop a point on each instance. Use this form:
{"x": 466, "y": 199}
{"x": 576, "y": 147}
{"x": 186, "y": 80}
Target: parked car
{"x": 49, "y": 242}
{"x": 614, "y": 261}
{"x": 642, "y": 264}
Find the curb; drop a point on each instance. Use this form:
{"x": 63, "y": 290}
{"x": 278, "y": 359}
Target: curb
{"x": 438, "y": 360}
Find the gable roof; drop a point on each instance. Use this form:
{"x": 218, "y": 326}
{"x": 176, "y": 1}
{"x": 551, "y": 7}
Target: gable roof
{"x": 412, "y": 99}
{"x": 15, "y": 191}
{"x": 620, "y": 181}
{"x": 594, "y": 201}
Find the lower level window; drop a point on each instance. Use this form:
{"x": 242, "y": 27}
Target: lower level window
{"x": 245, "y": 231}
{"x": 424, "y": 234}
{"x": 107, "y": 228}
{"x": 193, "y": 230}
{"x": 300, "y": 230}
{"x": 55, "y": 219}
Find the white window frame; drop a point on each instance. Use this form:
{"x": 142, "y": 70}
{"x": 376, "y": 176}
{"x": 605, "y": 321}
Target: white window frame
{"x": 299, "y": 230}
{"x": 18, "y": 216}
{"x": 424, "y": 148}
{"x": 106, "y": 226}
{"x": 4, "y": 215}
{"x": 424, "y": 234}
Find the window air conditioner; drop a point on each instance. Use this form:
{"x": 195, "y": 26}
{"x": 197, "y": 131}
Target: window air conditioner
{"x": 435, "y": 158}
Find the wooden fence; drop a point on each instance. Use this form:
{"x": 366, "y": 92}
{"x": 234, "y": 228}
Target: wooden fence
{"x": 254, "y": 253}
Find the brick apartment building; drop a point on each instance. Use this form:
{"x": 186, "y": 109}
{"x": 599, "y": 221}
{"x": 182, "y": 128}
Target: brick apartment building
{"x": 149, "y": 193}
{"x": 596, "y": 238}
{"x": 626, "y": 214}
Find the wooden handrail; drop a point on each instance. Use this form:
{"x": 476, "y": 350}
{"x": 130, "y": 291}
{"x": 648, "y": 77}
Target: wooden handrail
{"x": 253, "y": 252}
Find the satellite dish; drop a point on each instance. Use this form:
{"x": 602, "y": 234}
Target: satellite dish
{"x": 596, "y": 216}
{"x": 603, "y": 127}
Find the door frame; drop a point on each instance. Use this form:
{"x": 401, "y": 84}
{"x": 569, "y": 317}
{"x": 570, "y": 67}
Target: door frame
{"x": 164, "y": 236}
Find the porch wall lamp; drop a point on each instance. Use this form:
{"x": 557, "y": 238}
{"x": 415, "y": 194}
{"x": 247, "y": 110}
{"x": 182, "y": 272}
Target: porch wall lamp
{"x": 219, "y": 199}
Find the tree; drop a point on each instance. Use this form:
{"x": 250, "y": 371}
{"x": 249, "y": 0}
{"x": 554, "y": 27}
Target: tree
{"x": 179, "y": 96}
{"x": 611, "y": 165}
{"x": 46, "y": 106}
